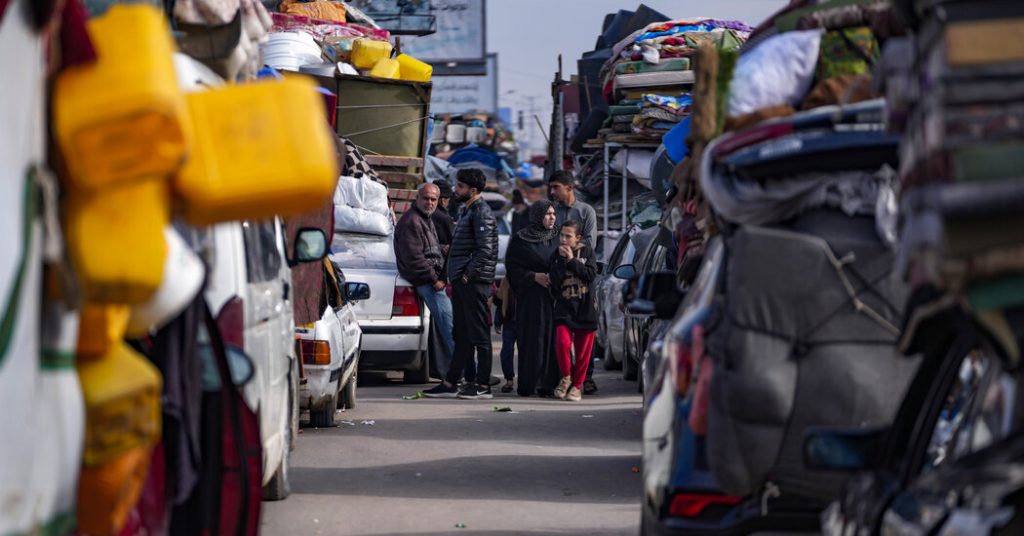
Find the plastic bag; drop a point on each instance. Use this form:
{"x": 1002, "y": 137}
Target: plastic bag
{"x": 361, "y": 206}
{"x": 779, "y": 71}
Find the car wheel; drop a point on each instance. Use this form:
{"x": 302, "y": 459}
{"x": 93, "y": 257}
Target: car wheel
{"x": 348, "y": 394}
{"x": 421, "y": 374}
{"x": 324, "y": 418}
{"x": 279, "y": 487}
{"x": 629, "y": 365}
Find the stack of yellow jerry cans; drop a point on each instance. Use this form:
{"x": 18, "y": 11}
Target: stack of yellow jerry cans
{"x": 138, "y": 152}
{"x": 375, "y": 56}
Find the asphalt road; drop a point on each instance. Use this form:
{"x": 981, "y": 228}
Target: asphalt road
{"x": 458, "y": 467}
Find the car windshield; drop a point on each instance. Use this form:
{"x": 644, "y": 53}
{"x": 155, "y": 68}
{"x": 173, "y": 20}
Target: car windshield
{"x": 353, "y": 250}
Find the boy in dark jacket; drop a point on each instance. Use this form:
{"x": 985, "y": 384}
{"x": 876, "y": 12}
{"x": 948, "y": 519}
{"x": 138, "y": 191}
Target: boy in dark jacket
{"x": 573, "y": 268}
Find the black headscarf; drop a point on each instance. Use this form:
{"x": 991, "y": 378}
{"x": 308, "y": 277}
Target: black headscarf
{"x": 535, "y": 231}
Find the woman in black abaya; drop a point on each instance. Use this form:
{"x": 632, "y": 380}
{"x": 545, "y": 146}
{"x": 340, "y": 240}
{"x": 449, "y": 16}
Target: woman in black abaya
{"x": 527, "y": 261}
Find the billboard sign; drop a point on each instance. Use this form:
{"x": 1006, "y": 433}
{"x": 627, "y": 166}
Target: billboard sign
{"x": 464, "y": 94}
{"x": 460, "y": 34}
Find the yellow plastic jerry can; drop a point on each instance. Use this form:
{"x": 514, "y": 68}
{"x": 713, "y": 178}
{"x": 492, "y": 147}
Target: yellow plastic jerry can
{"x": 385, "y": 68}
{"x": 366, "y": 53}
{"x": 120, "y": 117}
{"x": 108, "y": 492}
{"x": 100, "y": 327}
{"x": 122, "y": 404}
{"x": 413, "y": 69}
{"x": 116, "y": 240}
{"x": 260, "y": 149}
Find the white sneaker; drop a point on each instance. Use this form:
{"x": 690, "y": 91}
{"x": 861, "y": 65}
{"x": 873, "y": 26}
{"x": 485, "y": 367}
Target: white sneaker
{"x": 563, "y": 387}
{"x": 574, "y": 395}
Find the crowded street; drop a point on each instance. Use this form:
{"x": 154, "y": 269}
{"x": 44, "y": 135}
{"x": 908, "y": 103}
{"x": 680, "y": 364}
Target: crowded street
{"x": 503, "y": 267}
{"x": 396, "y": 466}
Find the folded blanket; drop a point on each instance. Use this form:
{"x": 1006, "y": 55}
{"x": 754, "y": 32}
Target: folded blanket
{"x": 671, "y": 64}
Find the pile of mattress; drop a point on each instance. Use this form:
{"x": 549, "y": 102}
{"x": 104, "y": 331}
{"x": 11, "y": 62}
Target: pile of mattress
{"x": 957, "y": 91}
{"x": 649, "y": 77}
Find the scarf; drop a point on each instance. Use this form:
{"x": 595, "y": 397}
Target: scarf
{"x": 536, "y": 232}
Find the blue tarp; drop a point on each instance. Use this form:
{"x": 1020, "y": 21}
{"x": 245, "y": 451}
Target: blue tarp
{"x": 675, "y": 141}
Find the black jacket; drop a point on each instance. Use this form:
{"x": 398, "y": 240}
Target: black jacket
{"x": 417, "y": 251}
{"x": 571, "y": 287}
{"x": 444, "y": 225}
{"x": 474, "y": 251}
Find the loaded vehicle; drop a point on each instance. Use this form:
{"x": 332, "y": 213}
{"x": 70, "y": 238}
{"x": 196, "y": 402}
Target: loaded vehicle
{"x": 951, "y": 460}
{"x": 330, "y": 348}
{"x": 638, "y": 324}
{"x": 248, "y": 290}
{"x": 394, "y": 322}
{"x": 737, "y": 336}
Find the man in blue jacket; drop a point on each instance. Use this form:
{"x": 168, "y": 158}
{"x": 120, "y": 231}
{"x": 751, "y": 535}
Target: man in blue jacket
{"x": 471, "y": 263}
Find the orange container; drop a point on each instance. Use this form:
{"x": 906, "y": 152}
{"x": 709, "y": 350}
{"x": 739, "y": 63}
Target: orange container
{"x": 120, "y": 117}
{"x": 108, "y": 492}
{"x": 100, "y": 327}
{"x": 260, "y": 149}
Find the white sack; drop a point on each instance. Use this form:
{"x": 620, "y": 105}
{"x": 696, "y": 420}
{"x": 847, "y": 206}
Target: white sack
{"x": 778, "y": 71}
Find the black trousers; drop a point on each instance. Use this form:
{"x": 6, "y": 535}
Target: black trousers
{"x": 472, "y": 331}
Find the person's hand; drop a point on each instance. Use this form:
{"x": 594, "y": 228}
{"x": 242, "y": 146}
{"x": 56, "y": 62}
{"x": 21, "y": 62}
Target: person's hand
{"x": 439, "y": 285}
{"x": 497, "y": 329}
{"x": 543, "y": 280}
{"x": 566, "y": 252}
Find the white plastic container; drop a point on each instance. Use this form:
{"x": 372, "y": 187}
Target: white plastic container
{"x": 476, "y": 134}
{"x": 456, "y": 134}
{"x": 289, "y": 51}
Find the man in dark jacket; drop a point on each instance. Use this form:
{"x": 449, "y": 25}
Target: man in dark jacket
{"x": 443, "y": 222}
{"x": 421, "y": 262}
{"x": 471, "y": 263}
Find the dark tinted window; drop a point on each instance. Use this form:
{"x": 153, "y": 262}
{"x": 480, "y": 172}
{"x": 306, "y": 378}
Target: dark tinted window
{"x": 262, "y": 259}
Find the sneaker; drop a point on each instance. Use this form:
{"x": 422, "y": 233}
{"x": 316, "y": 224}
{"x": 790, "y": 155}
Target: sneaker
{"x": 441, "y": 390}
{"x": 475, "y": 392}
{"x": 574, "y": 395}
{"x": 508, "y": 387}
{"x": 563, "y": 387}
{"x": 589, "y": 387}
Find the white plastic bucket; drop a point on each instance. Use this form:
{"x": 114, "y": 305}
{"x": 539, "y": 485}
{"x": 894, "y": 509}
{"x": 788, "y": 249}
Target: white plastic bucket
{"x": 456, "y": 134}
{"x": 290, "y": 50}
{"x": 476, "y": 134}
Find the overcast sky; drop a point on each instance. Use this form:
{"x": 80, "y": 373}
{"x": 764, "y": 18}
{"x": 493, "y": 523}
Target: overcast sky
{"x": 528, "y": 36}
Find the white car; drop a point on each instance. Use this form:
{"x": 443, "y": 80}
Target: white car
{"x": 394, "y": 322}
{"x": 504, "y": 234}
{"x": 329, "y": 350}
{"x": 248, "y": 290}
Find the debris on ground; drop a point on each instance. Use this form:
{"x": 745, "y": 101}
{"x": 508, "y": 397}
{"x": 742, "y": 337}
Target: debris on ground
{"x": 417, "y": 396}
{"x": 370, "y": 422}
{"x": 505, "y": 409}
{"x": 348, "y": 423}
{"x": 460, "y": 525}
{"x": 588, "y": 416}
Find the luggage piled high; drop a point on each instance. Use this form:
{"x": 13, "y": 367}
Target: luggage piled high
{"x": 800, "y": 185}
{"x": 956, "y": 95}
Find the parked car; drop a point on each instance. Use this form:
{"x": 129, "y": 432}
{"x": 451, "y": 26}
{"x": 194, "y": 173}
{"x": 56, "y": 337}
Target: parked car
{"x": 680, "y": 495}
{"x": 951, "y": 462}
{"x": 637, "y": 327}
{"x": 330, "y": 350}
{"x": 611, "y": 321}
{"x": 504, "y": 235}
{"x": 394, "y": 322}
{"x": 248, "y": 289}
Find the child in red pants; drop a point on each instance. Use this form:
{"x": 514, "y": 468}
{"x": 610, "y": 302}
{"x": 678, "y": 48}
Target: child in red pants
{"x": 573, "y": 268}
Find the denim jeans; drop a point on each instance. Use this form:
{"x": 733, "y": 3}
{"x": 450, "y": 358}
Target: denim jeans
{"x": 441, "y": 315}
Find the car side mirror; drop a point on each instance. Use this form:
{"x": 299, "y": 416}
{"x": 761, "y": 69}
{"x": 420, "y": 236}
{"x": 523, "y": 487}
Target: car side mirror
{"x": 357, "y": 292}
{"x": 310, "y": 245}
{"x": 842, "y": 449}
{"x": 625, "y": 271}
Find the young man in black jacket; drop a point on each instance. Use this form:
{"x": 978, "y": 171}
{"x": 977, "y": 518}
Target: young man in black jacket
{"x": 420, "y": 259}
{"x": 471, "y": 263}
